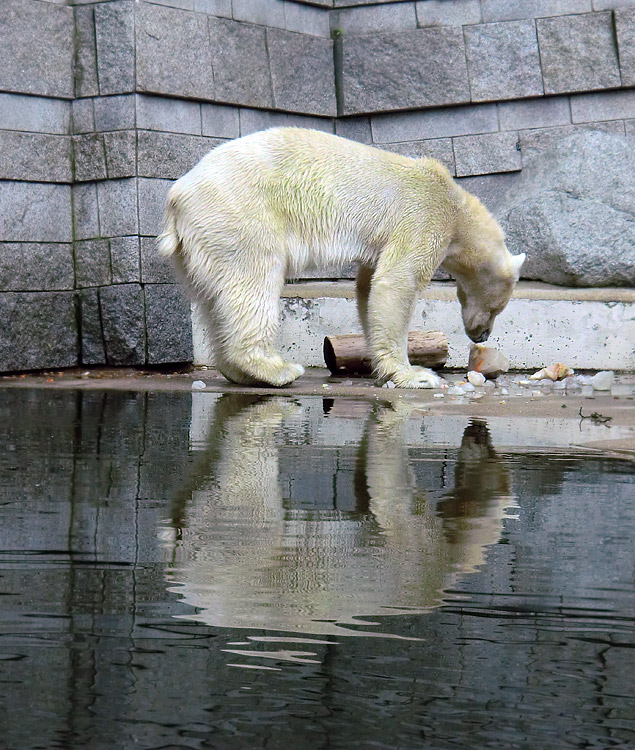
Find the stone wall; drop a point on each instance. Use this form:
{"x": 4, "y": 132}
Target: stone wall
{"x": 103, "y": 104}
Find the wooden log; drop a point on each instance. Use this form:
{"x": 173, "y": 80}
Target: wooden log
{"x": 347, "y": 355}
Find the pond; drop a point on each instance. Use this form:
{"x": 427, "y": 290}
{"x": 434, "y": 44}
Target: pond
{"x": 199, "y": 570}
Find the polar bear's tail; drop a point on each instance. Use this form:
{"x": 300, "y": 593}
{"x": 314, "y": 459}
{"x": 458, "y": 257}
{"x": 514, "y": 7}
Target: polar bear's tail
{"x": 168, "y": 241}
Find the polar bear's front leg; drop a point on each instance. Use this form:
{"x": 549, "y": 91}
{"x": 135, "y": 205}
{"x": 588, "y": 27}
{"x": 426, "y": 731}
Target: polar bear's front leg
{"x": 390, "y": 306}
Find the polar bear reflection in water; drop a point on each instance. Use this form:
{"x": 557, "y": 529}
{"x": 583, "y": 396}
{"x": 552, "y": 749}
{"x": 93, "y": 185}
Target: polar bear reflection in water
{"x": 247, "y": 556}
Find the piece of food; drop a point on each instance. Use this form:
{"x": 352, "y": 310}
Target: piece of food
{"x": 487, "y": 360}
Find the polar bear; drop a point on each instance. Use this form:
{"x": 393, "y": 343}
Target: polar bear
{"x": 263, "y": 207}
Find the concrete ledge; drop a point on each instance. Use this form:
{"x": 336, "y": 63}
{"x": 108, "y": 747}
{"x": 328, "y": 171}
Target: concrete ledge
{"x": 589, "y": 329}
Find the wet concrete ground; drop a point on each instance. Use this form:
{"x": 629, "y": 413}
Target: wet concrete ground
{"x": 512, "y": 395}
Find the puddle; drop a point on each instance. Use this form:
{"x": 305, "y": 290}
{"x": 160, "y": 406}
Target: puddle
{"x": 204, "y": 570}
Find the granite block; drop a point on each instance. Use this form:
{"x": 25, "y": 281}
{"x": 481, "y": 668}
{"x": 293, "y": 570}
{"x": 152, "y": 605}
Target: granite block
{"x": 155, "y": 269}
{"x": 173, "y": 52}
{"x": 534, "y": 113}
{"x": 85, "y": 211}
{"x": 123, "y": 323}
{"x": 169, "y": 324}
{"x": 92, "y": 350}
{"x": 117, "y": 201}
{"x": 116, "y": 112}
{"x": 35, "y": 212}
{"x": 171, "y": 115}
{"x": 221, "y": 8}
{"x": 355, "y": 128}
{"x": 448, "y": 12}
{"x": 82, "y": 116}
{"x": 41, "y": 331}
{"x": 393, "y": 71}
{"x": 301, "y": 72}
{"x": 578, "y": 53}
{"x": 89, "y": 157}
{"x": 86, "y": 79}
{"x": 35, "y": 114}
{"x": 92, "y": 263}
{"x": 170, "y": 155}
{"x": 220, "y": 121}
{"x": 34, "y": 266}
{"x": 625, "y": 31}
{"x": 264, "y": 12}
{"x": 121, "y": 154}
{"x": 35, "y": 157}
{"x": 124, "y": 259}
{"x": 240, "y": 62}
{"x": 440, "y": 123}
{"x": 503, "y": 61}
{"x": 487, "y": 154}
{"x": 609, "y": 105}
{"x": 114, "y": 32}
{"x": 32, "y": 62}
{"x": 152, "y": 196}
{"x": 515, "y": 10}
{"x": 437, "y": 148}
{"x": 374, "y": 19}
{"x": 538, "y": 141}
{"x": 306, "y": 20}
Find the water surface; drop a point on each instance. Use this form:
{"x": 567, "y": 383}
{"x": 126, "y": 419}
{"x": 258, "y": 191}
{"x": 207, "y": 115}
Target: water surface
{"x": 204, "y": 571}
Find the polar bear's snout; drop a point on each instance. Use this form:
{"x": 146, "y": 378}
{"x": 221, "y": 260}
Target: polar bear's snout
{"x": 479, "y": 338}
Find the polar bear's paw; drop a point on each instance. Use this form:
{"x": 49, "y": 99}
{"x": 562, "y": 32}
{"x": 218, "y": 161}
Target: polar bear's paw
{"x": 285, "y": 374}
{"x": 261, "y": 371}
{"x": 417, "y": 377}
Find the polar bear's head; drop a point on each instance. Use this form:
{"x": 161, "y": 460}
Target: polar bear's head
{"x": 485, "y": 294}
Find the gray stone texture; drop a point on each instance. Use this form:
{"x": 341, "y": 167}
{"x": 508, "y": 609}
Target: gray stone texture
{"x": 393, "y": 71}
{"x": 171, "y": 115}
{"x": 170, "y": 155}
{"x": 375, "y": 19}
{"x": 573, "y": 216}
{"x": 440, "y": 123}
{"x": 438, "y": 148}
{"x": 86, "y": 78}
{"x": 35, "y": 212}
{"x": 539, "y": 140}
{"x": 263, "y": 12}
{"x": 152, "y": 196}
{"x": 92, "y": 350}
{"x": 301, "y": 72}
{"x": 121, "y": 151}
{"x": 513, "y": 10}
{"x": 448, "y": 12}
{"x": 487, "y": 154}
{"x": 116, "y": 112}
{"x": 173, "y": 52}
{"x": 534, "y": 113}
{"x": 306, "y": 20}
{"x": 220, "y": 121}
{"x": 607, "y": 105}
{"x": 89, "y": 157}
{"x": 503, "y": 61}
{"x": 43, "y": 328}
{"x": 578, "y": 53}
{"x": 252, "y": 120}
{"x": 354, "y": 128}
{"x": 123, "y": 323}
{"x": 82, "y": 116}
{"x": 169, "y": 324}
{"x": 32, "y": 266}
{"x": 117, "y": 201}
{"x": 35, "y": 157}
{"x": 240, "y": 62}
{"x": 155, "y": 269}
{"x": 625, "y": 30}
{"x": 85, "y": 211}
{"x": 32, "y": 62}
{"x": 124, "y": 259}
{"x": 34, "y": 114}
{"x": 92, "y": 263}
{"x": 114, "y": 32}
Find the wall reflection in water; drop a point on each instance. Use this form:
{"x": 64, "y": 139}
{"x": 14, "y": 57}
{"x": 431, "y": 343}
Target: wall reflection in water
{"x": 272, "y": 532}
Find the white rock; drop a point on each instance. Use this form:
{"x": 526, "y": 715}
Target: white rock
{"x": 456, "y": 390}
{"x": 603, "y": 380}
{"x": 467, "y": 387}
{"x": 198, "y": 385}
{"x": 439, "y": 395}
{"x": 476, "y": 378}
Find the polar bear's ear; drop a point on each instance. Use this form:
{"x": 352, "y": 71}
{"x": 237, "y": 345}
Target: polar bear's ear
{"x": 517, "y": 262}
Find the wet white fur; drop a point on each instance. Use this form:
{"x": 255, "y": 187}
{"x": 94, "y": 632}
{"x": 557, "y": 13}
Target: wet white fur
{"x": 271, "y": 204}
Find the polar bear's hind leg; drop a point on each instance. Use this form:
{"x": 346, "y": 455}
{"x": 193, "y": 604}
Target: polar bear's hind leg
{"x": 246, "y": 323}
